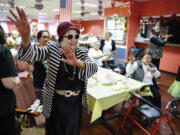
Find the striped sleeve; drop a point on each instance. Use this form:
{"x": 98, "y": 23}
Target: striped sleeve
{"x": 34, "y": 53}
{"x": 90, "y": 67}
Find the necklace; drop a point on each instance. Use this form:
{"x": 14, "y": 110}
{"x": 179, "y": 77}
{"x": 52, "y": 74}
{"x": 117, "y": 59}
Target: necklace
{"x": 71, "y": 76}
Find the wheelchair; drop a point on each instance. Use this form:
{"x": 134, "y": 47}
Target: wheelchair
{"x": 151, "y": 112}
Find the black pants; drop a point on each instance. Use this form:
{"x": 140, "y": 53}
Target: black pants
{"x": 8, "y": 125}
{"x": 109, "y": 64}
{"x": 156, "y": 99}
{"x": 156, "y": 62}
{"x": 65, "y": 117}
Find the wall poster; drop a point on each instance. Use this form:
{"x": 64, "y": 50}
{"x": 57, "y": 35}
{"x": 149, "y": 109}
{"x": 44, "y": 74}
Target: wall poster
{"x": 117, "y": 25}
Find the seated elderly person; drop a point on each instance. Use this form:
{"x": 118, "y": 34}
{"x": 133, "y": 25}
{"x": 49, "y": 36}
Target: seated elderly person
{"x": 96, "y": 54}
{"x": 143, "y": 70}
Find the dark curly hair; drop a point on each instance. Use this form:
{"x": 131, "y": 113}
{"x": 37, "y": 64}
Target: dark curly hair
{"x": 39, "y": 34}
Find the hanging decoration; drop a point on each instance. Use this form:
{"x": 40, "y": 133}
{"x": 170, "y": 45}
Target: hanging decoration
{"x": 121, "y": 4}
{"x": 39, "y": 5}
{"x": 100, "y": 7}
{"x": 82, "y": 7}
{"x": 65, "y": 11}
{"x": 117, "y": 25}
{"x": 153, "y": 20}
{"x": 12, "y": 4}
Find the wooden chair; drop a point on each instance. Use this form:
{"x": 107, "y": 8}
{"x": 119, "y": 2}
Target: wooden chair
{"x": 25, "y": 96}
{"x": 23, "y": 68}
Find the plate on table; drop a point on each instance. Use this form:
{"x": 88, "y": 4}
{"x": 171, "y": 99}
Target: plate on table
{"x": 91, "y": 81}
{"x": 123, "y": 85}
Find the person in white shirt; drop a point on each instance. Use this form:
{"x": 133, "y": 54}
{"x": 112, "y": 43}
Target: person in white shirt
{"x": 97, "y": 55}
{"x": 15, "y": 49}
{"x": 143, "y": 70}
{"x": 108, "y": 46}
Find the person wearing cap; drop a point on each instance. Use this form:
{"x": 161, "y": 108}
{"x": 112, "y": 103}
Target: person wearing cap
{"x": 15, "y": 49}
{"x": 67, "y": 75}
{"x": 8, "y": 80}
{"x": 156, "y": 44}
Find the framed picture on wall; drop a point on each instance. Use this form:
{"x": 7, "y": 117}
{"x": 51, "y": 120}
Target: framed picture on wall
{"x": 117, "y": 26}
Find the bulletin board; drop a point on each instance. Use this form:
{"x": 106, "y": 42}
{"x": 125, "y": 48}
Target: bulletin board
{"x": 117, "y": 25}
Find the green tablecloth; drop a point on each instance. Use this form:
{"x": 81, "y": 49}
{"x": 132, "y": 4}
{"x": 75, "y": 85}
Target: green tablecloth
{"x": 102, "y": 97}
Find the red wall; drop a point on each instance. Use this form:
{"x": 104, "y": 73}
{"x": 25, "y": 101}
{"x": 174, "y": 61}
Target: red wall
{"x": 11, "y": 26}
{"x": 159, "y": 7}
{"x": 133, "y": 22}
{"x": 96, "y": 26}
{"x": 116, "y": 10}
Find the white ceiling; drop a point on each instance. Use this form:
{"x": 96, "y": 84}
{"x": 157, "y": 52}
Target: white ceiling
{"x": 51, "y": 9}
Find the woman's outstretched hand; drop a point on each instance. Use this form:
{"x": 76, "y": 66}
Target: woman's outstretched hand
{"x": 71, "y": 59}
{"x": 22, "y": 25}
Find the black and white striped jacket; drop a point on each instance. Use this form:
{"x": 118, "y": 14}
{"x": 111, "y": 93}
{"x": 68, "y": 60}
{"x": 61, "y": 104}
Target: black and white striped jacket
{"x": 52, "y": 52}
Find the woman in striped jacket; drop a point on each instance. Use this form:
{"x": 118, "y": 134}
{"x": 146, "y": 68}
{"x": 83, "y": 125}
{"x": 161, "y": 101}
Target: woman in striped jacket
{"x": 67, "y": 75}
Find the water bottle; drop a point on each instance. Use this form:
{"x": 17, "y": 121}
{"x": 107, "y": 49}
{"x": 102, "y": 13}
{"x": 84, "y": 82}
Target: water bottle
{"x": 127, "y": 80}
{"x": 128, "y": 76}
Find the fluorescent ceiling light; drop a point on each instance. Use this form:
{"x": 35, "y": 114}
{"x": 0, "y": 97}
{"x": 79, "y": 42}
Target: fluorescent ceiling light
{"x": 101, "y": 17}
{"x": 4, "y": 5}
{"x": 94, "y": 13}
{"x": 42, "y": 13}
{"x": 85, "y": 4}
{"x": 4, "y": 11}
{"x": 22, "y": 7}
{"x": 76, "y": 12}
{"x": 90, "y": 5}
{"x": 55, "y": 10}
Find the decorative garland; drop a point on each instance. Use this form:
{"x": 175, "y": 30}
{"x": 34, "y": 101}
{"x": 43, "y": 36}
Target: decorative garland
{"x": 161, "y": 18}
{"x": 82, "y": 7}
{"x": 12, "y": 4}
{"x": 39, "y": 5}
{"x": 121, "y": 4}
{"x": 100, "y": 7}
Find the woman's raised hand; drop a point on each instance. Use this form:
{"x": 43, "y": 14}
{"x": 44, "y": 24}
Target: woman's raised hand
{"x": 22, "y": 25}
{"x": 131, "y": 58}
{"x": 71, "y": 59}
{"x": 69, "y": 52}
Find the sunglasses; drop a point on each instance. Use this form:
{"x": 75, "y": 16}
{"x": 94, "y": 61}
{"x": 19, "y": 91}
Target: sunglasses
{"x": 69, "y": 37}
{"x": 45, "y": 37}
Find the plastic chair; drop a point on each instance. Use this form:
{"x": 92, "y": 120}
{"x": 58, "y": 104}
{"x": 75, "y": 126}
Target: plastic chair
{"x": 25, "y": 96}
{"x": 150, "y": 111}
